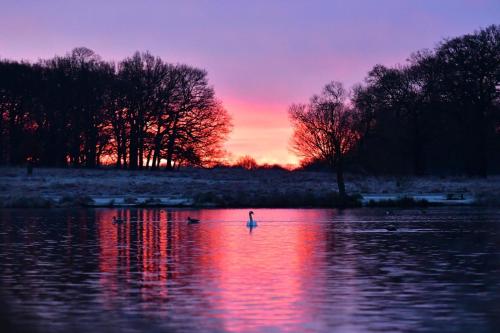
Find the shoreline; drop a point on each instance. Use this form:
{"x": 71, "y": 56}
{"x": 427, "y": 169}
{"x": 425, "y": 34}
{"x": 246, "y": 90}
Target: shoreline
{"x": 396, "y": 201}
{"x": 234, "y": 188}
{"x": 52, "y": 203}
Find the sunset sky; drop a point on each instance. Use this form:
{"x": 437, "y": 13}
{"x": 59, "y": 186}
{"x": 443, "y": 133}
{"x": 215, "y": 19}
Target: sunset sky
{"x": 261, "y": 56}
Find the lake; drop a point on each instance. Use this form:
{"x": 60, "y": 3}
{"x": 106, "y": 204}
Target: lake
{"x": 300, "y": 270}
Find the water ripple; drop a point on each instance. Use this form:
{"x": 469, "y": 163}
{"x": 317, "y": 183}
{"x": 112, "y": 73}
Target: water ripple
{"x": 300, "y": 270}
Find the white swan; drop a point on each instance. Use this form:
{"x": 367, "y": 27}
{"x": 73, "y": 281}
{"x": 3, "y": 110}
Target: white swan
{"x": 251, "y": 223}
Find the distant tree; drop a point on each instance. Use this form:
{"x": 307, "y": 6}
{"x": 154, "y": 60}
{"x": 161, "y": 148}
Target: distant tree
{"x": 166, "y": 112}
{"x": 163, "y": 113}
{"x": 79, "y": 110}
{"x": 204, "y": 131}
{"x": 326, "y": 129}
{"x": 197, "y": 123}
{"x": 469, "y": 85}
{"x": 140, "y": 76}
{"x": 246, "y": 162}
{"x": 17, "y": 80}
{"x": 438, "y": 113}
{"x": 314, "y": 165}
{"x": 275, "y": 166}
{"x": 395, "y": 98}
{"x": 68, "y": 112}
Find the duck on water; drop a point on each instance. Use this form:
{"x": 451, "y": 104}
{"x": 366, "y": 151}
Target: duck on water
{"x": 190, "y": 220}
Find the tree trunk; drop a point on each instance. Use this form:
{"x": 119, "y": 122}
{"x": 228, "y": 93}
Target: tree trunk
{"x": 148, "y": 159}
{"x": 418, "y": 149}
{"x": 170, "y": 152}
{"x": 118, "y": 153}
{"x": 133, "y": 149}
{"x": 482, "y": 149}
{"x": 171, "y": 145}
{"x": 418, "y": 158}
{"x": 91, "y": 149}
{"x": 141, "y": 150}
{"x": 169, "y": 161}
{"x": 124, "y": 149}
{"x": 340, "y": 178}
{"x": 153, "y": 163}
{"x": 156, "y": 153}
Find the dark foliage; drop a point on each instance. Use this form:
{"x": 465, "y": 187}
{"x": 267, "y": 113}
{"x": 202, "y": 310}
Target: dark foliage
{"x": 78, "y": 110}
{"x": 439, "y": 114}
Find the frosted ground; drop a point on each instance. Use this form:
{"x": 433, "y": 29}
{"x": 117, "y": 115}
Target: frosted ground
{"x": 228, "y": 187}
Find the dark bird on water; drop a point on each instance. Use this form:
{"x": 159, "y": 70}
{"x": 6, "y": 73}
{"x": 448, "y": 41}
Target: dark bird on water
{"x": 391, "y": 227}
{"x": 192, "y": 221}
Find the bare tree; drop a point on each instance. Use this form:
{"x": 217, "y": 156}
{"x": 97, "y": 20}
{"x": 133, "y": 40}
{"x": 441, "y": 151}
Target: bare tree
{"x": 325, "y": 129}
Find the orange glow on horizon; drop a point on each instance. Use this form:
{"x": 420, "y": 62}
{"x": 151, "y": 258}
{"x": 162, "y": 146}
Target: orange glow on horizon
{"x": 261, "y": 131}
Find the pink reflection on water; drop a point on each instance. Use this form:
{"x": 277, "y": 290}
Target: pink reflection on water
{"x": 246, "y": 281}
{"x": 260, "y": 276}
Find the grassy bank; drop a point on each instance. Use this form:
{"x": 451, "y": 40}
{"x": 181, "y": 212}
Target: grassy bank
{"x": 225, "y": 188}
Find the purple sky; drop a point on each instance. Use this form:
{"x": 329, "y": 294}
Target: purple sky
{"x": 261, "y": 56}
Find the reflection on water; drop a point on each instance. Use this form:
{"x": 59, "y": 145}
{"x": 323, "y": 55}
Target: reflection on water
{"x": 299, "y": 270}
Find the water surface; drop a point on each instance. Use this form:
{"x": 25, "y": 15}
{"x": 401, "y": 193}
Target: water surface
{"x": 300, "y": 270}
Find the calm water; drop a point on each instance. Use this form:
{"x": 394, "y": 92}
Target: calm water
{"x": 299, "y": 270}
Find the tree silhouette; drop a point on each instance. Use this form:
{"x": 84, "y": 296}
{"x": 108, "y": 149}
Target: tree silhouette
{"x": 469, "y": 74}
{"x": 439, "y": 113}
{"x": 79, "y": 110}
{"x": 326, "y": 129}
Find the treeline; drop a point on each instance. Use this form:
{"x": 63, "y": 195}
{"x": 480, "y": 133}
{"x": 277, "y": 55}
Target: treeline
{"x": 439, "y": 113}
{"x": 78, "y": 110}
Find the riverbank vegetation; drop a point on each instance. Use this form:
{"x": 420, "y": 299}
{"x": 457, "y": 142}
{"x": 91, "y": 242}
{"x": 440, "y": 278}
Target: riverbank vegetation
{"x": 229, "y": 187}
